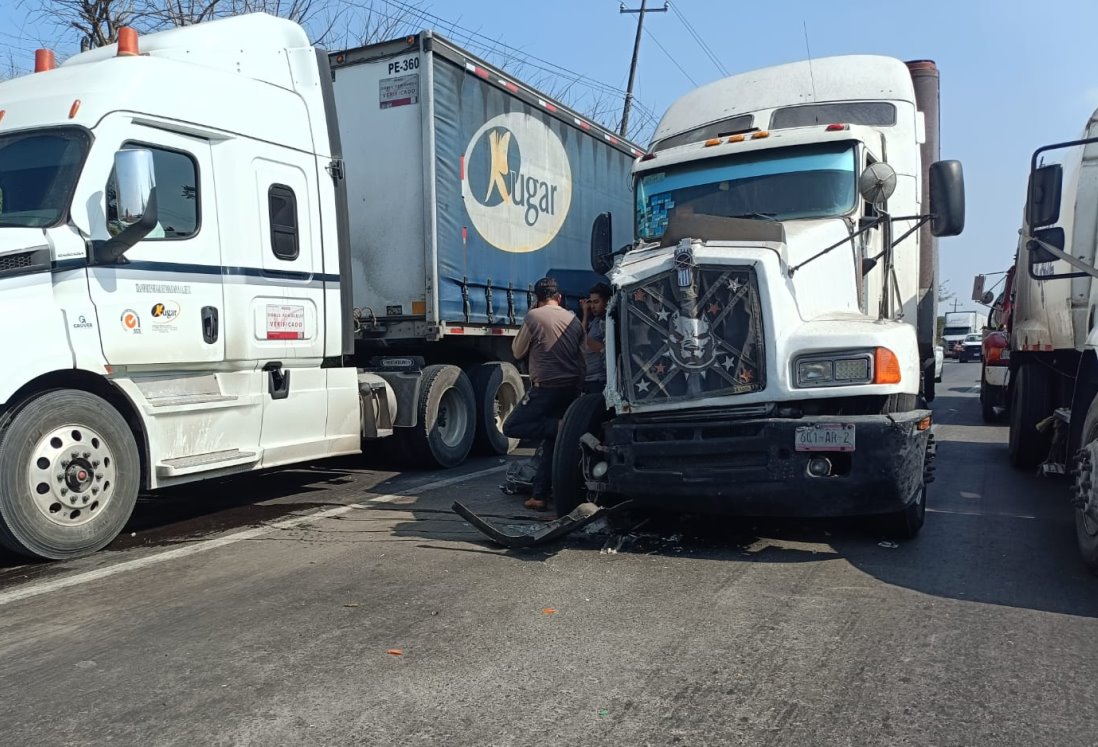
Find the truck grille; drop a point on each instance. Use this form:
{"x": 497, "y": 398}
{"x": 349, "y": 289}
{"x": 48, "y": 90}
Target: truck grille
{"x": 693, "y": 332}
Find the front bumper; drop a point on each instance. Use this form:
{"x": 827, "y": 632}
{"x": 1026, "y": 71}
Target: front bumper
{"x": 751, "y": 467}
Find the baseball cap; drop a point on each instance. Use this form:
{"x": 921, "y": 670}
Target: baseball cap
{"x": 546, "y": 288}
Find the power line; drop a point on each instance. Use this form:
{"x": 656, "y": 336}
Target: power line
{"x": 697, "y": 37}
{"x": 671, "y": 57}
{"x": 486, "y": 44}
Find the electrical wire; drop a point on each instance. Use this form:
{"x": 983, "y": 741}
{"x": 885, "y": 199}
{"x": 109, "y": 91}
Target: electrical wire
{"x": 697, "y": 37}
{"x": 670, "y": 57}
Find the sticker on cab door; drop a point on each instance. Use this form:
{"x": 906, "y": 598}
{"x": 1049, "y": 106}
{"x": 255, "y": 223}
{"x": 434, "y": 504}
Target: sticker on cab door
{"x": 285, "y": 322}
{"x": 130, "y": 321}
{"x": 164, "y": 316}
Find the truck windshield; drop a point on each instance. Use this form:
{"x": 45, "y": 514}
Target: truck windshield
{"x": 813, "y": 181}
{"x": 954, "y": 331}
{"x": 38, "y": 172}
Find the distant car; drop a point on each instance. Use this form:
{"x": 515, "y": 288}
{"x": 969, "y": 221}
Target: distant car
{"x": 995, "y": 375}
{"x": 939, "y": 362}
{"x": 971, "y": 347}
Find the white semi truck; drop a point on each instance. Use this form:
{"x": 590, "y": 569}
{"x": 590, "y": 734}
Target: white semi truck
{"x": 224, "y": 250}
{"x": 770, "y": 341}
{"x": 960, "y": 324}
{"x": 1053, "y": 331}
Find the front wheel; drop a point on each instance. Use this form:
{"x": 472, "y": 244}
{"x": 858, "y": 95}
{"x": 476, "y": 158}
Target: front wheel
{"x": 585, "y": 415}
{"x": 1086, "y": 491}
{"x": 1031, "y": 402}
{"x": 905, "y": 524}
{"x": 69, "y": 476}
{"x": 988, "y": 397}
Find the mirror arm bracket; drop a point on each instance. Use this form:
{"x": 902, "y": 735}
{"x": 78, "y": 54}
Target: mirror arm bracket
{"x": 1087, "y": 270}
{"x": 863, "y": 229}
{"x": 112, "y": 250}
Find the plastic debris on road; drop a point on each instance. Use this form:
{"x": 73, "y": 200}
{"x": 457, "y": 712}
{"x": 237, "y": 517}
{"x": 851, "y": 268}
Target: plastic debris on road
{"x": 395, "y": 652}
{"x": 889, "y": 545}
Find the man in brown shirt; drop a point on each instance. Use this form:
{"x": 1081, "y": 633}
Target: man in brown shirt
{"x": 550, "y": 338}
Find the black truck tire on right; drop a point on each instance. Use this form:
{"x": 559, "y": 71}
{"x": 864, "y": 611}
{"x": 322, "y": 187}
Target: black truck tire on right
{"x": 1086, "y": 529}
{"x": 584, "y": 415}
{"x": 498, "y": 389}
{"x": 445, "y": 422}
{"x": 1030, "y": 404}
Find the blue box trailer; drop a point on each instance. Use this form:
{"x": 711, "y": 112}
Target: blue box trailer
{"x": 464, "y": 187}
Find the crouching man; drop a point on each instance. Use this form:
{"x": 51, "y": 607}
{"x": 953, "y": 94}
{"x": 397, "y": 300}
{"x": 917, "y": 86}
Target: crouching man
{"x": 550, "y": 338}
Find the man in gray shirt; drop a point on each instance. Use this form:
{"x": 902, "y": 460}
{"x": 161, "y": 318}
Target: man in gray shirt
{"x": 594, "y": 344}
{"x": 550, "y": 338}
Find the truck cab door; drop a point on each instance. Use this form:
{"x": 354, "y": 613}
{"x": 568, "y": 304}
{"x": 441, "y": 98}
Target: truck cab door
{"x": 161, "y": 306}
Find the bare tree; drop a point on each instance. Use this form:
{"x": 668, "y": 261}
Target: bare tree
{"x": 95, "y": 22}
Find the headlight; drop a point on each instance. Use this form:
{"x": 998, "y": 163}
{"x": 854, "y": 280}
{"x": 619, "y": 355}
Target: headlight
{"x": 837, "y": 369}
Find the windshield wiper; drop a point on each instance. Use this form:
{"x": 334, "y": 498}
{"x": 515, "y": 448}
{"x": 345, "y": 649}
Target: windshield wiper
{"x": 763, "y": 216}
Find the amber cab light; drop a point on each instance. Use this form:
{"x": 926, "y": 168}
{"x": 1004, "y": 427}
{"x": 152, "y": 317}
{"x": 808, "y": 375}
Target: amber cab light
{"x": 127, "y": 42}
{"x": 44, "y": 60}
{"x": 886, "y": 367}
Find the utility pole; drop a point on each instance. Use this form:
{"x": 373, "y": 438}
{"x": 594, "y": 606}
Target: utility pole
{"x": 636, "y": 53}
{"x": 956, "y": 303}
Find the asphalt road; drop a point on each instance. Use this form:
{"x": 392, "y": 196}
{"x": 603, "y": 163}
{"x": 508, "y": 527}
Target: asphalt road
{"x": 344, "y": 604}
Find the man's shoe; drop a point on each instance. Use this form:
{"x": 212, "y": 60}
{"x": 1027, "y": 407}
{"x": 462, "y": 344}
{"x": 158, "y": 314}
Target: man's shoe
{"x": 536, "y": 504}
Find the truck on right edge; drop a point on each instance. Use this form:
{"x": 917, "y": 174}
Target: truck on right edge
{"x": 770, "y": 343}
{"x": 1053, "y": 394}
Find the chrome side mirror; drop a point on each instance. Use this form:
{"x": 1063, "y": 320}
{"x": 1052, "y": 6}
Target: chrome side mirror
{"x": 134, "y": 180}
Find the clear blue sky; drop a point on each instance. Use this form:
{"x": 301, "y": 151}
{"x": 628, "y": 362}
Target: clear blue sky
{"x": 1013, "y": 76}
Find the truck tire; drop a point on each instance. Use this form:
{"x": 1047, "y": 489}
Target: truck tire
{"x": 585, "y": 415}
{"x": 1086, "y": 492}
{"x": 1031, "y": 402}
{"x": 69, "y": 475}
{"x": 928, "y": 382}
{"x": 905, "y": 524}
{"x": 498, "y": 389}
{"x": 443, "y": 434}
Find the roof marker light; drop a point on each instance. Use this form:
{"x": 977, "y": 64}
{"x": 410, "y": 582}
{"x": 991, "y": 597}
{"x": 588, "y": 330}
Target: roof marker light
{"x": 127, "y": 42}
{"x": 837, "y": 127}
{"x": 736, "y": 138}
{"x": 2, "y": 113}
{"x": 712, "y": 141}
{"x": 645, "y": 157}
{"x": 760, "y": 135}
{"x": 44, "y": 60}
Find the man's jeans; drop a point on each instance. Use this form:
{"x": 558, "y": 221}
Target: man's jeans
{"x": 537, "y": 417}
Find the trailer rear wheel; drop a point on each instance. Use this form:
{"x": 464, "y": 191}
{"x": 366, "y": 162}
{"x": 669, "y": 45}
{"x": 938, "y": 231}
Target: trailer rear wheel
{"x": 1031, "y": 402}
{"x": 69, "y": 476}
{"x": 584, "y": 415}
{"x": 443, "y": 434}
{"x": 498, "y": 389}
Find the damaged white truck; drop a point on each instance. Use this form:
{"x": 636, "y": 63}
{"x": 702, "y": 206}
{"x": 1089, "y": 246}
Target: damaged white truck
{"x": 770, "y": 341}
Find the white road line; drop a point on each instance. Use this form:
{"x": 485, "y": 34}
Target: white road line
{"x": 34, "y": 590}
{"x": 993, "y": 514}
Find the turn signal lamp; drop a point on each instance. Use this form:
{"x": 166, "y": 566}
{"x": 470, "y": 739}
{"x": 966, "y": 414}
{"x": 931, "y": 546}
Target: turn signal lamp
{"x": 44, "y": 60}
{"x": 886, "y": 367}
{"x": 127, "y": 42}
{"x": 760, "y": 135}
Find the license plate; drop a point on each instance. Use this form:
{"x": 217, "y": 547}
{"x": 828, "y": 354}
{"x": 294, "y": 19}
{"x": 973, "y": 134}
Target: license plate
{"x": 826, "y": 437}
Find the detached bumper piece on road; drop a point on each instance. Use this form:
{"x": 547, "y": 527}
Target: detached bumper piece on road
{"x": 580, "y": 517}
{"x": 752, "y": 467}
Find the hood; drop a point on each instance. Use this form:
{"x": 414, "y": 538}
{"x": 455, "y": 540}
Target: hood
{"x": 807, "y": 238}
{"x": 14, "y": 240}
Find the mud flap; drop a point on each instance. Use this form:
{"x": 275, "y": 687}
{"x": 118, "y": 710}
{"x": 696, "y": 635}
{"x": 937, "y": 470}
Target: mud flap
{"x": 581, "y": 516}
